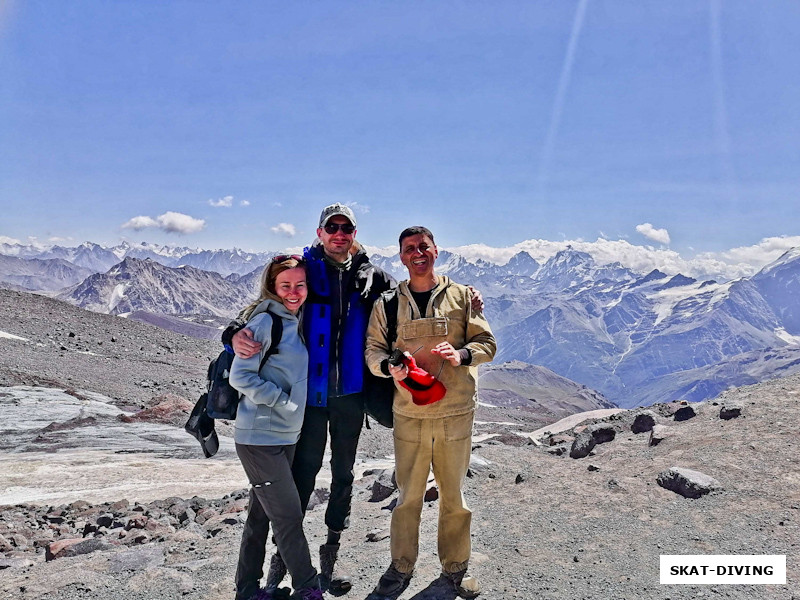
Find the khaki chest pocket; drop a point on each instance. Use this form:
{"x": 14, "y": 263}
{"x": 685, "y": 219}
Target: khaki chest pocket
{"x": 422, "y": 328}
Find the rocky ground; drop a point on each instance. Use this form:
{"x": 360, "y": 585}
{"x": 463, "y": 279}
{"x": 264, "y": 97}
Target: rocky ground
{"x": 579, "y": 513}
{"x": 545, "y": 525}
{"x": 69, "y": 347}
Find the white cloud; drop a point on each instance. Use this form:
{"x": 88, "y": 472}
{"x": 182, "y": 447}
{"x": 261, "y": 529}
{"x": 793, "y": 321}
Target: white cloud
{"x": 225, "y": 202}
{"x": 8, "y": 240}
{"x": 244, "y": 203}
{"x": 657, "y": 235}
{"x": 277, "y": 204}
{"x": 171, "y": 222}
{"x": 139, "y": 223}
{"x": 285, "y": 229}
{"x": 359, "y": 208}
{"x": 55, "y": 239}
{"x": 767, "y": 250}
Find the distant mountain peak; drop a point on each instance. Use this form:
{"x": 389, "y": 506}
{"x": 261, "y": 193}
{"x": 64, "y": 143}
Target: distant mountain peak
{"x": 677, "y": 281}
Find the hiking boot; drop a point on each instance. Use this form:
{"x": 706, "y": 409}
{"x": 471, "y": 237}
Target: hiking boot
{"x": 392, "y": 582}
{"x": 276, "y": 573}
{"x": 310, "y": 593}
{"x": 332, "y": 574}
{"x": 464, "y": 584}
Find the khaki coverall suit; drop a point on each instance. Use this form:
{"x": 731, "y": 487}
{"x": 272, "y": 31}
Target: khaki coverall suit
{"x": 437, "y": 435}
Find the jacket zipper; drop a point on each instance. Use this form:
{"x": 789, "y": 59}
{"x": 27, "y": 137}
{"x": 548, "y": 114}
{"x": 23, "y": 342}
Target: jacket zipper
{"x": 338, "y": 337}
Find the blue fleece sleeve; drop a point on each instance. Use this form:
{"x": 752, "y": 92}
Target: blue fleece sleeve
{"x": 244, "y": 375}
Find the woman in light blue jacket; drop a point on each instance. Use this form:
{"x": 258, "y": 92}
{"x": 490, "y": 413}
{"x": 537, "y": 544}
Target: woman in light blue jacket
{"x": 268, "y": 423}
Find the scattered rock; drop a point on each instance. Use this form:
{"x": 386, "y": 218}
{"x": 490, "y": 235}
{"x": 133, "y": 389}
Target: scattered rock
{"x": 431, "y": 494}
{"x": 477, "y": 464}
{"x": 685, "y": 413}
{"x": 520, "y": 478}
{"x": 15, "y": 563}
{"x": 168, "y": 408}
{"x": 318, "y": 497}
{"x": 644, "y": 421}
{"x": 75, "y": 547}
{"x": 383, "y": 486}
{"x": 687, "y": 483}
{"x": 136, "y": 560}
{"x": 376, "y": 535}
{"x": 560, "y": 438}
{"x": 104, "y": 520}
{"x": 602, "y": 432}
{"x": 119, "y": 506}
{"x": 730, "y": 410}
{"x": 584, "y": 443}
{"x": 136, "y": 522}
{"x": 658, "y": 434}
{"x": 559, "y": 450}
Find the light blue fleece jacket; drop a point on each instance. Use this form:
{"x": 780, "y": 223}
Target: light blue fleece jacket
{"x": 273, "y": 402}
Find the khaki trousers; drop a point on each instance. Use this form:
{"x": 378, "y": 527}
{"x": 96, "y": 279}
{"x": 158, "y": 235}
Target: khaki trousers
{"x": 444, "y": 444}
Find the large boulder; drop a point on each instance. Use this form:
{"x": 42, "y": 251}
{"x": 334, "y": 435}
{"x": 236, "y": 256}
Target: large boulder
{"x": 644, "y": 421}
{"x": 687, "y": 483}
{"x": 584, "y": 443}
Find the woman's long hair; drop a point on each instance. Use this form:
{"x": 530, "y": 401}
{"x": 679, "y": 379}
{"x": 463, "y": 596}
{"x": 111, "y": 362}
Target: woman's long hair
{"x": 276, "y": 266}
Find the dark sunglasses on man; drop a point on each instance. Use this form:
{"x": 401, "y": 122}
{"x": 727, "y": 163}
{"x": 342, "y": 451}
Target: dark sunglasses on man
{"x": 331, "y": 228}
{"x": 282, "y": 257}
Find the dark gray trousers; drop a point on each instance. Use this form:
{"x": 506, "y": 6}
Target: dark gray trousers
{"x": 344, "y": 415}
{"x": 273, "y": 499}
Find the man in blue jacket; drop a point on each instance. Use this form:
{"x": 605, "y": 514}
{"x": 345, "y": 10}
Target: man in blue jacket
{"x": 343, "y": 285}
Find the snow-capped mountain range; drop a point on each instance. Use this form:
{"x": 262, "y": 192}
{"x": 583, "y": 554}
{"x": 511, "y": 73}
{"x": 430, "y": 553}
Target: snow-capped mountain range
{"x": 638, "y": 338}
{"x": 99, "y": 259}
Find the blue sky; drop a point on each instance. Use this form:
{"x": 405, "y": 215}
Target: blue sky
{"x": 671, "y": 124}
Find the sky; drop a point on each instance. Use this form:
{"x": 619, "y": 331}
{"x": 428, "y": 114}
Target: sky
{"x": 670, "y": 126}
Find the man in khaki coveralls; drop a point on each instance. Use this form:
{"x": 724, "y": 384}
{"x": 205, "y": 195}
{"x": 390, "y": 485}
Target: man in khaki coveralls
{"x": 447, "y": 338}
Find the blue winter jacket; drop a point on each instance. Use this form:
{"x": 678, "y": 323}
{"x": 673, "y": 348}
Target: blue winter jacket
{"x": 335, "y": 322}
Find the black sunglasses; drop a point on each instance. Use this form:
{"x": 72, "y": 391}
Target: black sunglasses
{"x": 282, "y": 257}
{"x": 331, "y": 228}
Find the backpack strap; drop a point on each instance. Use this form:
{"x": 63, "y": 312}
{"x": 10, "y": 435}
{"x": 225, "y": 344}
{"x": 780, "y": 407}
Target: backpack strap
{"x": 274, "y": 338}
{"x": 391, "y": 305}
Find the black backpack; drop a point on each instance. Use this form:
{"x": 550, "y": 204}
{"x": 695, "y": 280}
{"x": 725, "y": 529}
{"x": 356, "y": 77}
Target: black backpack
{"x": 222, "y": 399}
{"x": 379, "y": 391}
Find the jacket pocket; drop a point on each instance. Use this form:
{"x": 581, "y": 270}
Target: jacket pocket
{"x": 246, "y": 414}
{"x": 288, "y": 418}
{"x": 421, "y": 328}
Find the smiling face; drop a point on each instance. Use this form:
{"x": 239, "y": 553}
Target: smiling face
{"x": 418, "y": 253}
{"x": 290, "y": 287}
{"x": 337, "y": 244}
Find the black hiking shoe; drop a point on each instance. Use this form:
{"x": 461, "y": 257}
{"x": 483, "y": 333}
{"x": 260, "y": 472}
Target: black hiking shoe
{"x": 465, "y": 585}
{"x": 333, "y": 576}
{"x": 276, "y": 573}
{"x": 392, "y": 582}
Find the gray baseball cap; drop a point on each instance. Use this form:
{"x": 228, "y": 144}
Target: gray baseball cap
{"x": 337, "y": 209}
